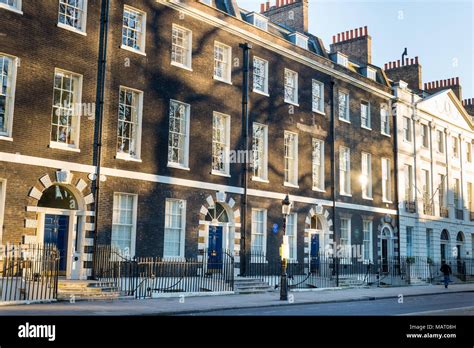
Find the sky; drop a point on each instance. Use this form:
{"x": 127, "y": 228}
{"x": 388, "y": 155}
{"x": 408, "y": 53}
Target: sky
{"x": 439, "y": 32}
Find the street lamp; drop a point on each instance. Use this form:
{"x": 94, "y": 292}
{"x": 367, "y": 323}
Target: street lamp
{"x": 285, "y": 209}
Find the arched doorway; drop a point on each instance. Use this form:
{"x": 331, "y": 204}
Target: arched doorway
{"x": 220, "y": 235}
{"x": 316, "y": 243}
{"x": 444, "y": 244}
{"x": 386, "y": 247}
{"x": 60, "y": 224}
{"x": 459, "y": 245}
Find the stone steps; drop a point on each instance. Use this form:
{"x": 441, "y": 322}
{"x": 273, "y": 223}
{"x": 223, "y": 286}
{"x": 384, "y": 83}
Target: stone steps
{"x": 79, "y": 290}
{"x": 251, "y": 286}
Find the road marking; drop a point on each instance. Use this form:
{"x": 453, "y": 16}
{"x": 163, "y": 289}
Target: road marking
{"x": 439, "y": 310}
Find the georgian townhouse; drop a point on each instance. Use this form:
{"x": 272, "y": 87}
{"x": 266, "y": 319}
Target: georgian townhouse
{"x": 161, "y": 155}
{"x": 435, "y": 166}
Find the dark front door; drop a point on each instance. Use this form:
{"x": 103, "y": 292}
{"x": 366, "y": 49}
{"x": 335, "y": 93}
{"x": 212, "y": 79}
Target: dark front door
{"x": 314, "y": 255}
{"x": 215, "y": 247}
{"x": 443, "y": 251}
{"x": 56, "y": 232}
{"x": 384, "y": 255}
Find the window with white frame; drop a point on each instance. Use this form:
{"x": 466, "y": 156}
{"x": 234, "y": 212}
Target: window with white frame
{"x": 299, "y": 40}
{"x": 457, "y": 194}
{"x": 386, "y": 180}
{"x": 367, "y": 241}
{"x": 178, "y": 142}
{"x": 318, "y": 96}
{"x": 342, "y": 59}
{"x": 366, "y": 176}
{"x": 384, "y": 121}
{"x": 14, "y": 5}
{"x": 371, "y": 74}
{"x": 365, "y": 114}
{"x": 345, "y": 239}
{"x": 73, "y": 14}
{"x": 290, "y": 231}
{"x": 129, "y": 123}
{"x": 291, "y": 86}
{"x": 181, "y": 50}
{"x": 259, "y": 151}
{"x": 425, "y": 136}
{"x": 318, "y": 164}
{"x": 408, "y": 174}
{"x": 407, "y": 129}
{"x": 260, "y": 75}
{"x": 469, "y": 152}
{"x": 409, "y": 241}
{"x": 343, "y": 106}
{"x": 291, "y": 158}
{"x": 259, "y": 226}
{"x": 7, "y": 93}
{"x": 222, "y": 62}
{"x": 440, "y": 141}
{"x": 258, "y": 20}
{"x": 455, "y": 144}
{"x": 344, "y": 170}
{"x": 133, "y": 29}
{"x": 65, "y": 120}
{"x": 220, "y": 143}
{"x": 175, "y": 221}
{"x": 124, "y": 222}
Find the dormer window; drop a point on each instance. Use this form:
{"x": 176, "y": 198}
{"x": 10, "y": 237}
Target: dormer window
{"x": 299, "y": 40}
{"x": 371, "y": 74}
{"x": 258, "y": 20}
{"x": 342, "y": 60}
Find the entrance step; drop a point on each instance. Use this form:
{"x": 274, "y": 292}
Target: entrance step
{"x": 250, "y": 286}
{"x": 78, "y": 290}
{"x": 350, "y": 282}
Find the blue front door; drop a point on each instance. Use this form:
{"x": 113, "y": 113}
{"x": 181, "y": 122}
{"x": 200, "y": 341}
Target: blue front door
{"x": 314, "y": 254}
{"x": 215, "y": 247}
{"x": 56, "y": 232}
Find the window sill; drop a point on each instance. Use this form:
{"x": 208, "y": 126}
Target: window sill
{"x": 128, "y": 158}
{"x": 10, "y": 8}
{"x": 133, "y": 50}
{"x": 262, "y": 93}
{"x": 345, "y": 194}
{"x": 292, "y": 103}
{"x": 344, "y": 120}
{"x": 220, "y": 174}
{"x": 74, "y": 30}
{"x": 386, "y": 201}
{"x": 368, "y": 198}
{"x": 260, "y": 179}
{"x": 385, "y": 134}
{"x": 177, "y": 166}
{"x": 287, "y": 184}
{"x": 318, "y": 190}
{"x": 224, "y": 81}
{"x": 181, "y": 66}
{"x": 63, "y": 147}
{"x": 5, "y": 138}
{"x": 319, "y": 112}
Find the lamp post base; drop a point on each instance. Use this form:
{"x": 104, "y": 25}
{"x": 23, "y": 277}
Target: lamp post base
{"x": 283, "y": 282}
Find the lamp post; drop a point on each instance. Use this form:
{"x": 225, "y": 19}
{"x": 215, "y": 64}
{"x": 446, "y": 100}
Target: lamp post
{"x": 285, "y": 208}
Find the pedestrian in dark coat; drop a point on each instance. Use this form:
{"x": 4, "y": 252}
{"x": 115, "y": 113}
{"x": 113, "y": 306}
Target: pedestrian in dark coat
{"x": 446, "y": 272}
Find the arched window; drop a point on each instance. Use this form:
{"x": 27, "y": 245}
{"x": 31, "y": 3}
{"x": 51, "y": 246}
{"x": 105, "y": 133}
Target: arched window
{"x": 444, "y": 235}
{"x": 316, "y": 223}
{"x": 217, "y": 213}
{"x": 386, "y": 232}
{"x": 460, "y": 237}
{"x": 59, "y": 197}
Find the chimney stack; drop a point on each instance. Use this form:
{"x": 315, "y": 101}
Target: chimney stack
{"x": 408, "y": 71}
{"x": 292, "y": 14}
{"x": 439, "y": 85}
{"x": 355, "y": 43}
{"x": 469, "y": 106}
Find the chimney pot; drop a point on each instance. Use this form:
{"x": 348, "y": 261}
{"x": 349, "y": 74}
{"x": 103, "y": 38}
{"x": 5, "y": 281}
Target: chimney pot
{"x": 385, "y": 66}
{"x": 262, "y": 8}
{"x": 412, "y": 61}
{"x": 356, "y": 32}
{"x": 426, "y": 86}
{"x": 334, "y": 39}
{"x": 277, "y": 3}
{"x": 352, "y": 34}
{"x": 398, "y": 63}
{"x": 366, "y": 32}
{"x": 407, "y": 61}
{"x": 457, "y": 80}
{"x": 347, "y": 34}
{"x": 338, "y": 37}
{"x": 343, "y": 39}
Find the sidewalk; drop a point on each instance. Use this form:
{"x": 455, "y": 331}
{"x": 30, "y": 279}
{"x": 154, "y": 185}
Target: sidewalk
{"x": 183, "y": 305}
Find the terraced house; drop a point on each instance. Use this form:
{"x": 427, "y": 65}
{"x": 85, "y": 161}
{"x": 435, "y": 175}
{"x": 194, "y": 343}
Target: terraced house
{"x": 121, "y": 121}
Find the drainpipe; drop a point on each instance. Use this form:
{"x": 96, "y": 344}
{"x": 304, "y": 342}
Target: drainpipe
{"x": 99, "y": 110}
{"x": 333, "y": 165}
{"x": 246, "y": 47}
{"x": 395, "y": 158}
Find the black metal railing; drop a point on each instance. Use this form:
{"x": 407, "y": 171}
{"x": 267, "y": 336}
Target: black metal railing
{"x": 142, "y": 276}
{"x": 444, "y": 212}
{"x": 459, "y": 214}
{"x": 328, "y": 271}
{"x": 427, "y": 208}
{"x": 28, "y": 272}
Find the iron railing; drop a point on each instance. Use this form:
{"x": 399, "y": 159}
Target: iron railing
{"x": 410, "y": 206}
{"x": 459, "y": 214}
{"x": 28, "y": 272}
{"x": 444, "y": 212}
{"x": 142, "y": 276}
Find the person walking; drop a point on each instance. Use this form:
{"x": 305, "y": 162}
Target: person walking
{"x": 446, "y": 272}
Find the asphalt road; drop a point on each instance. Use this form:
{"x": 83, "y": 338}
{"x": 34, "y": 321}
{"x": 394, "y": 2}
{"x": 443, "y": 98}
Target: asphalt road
{"x": 445, "y": 304}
